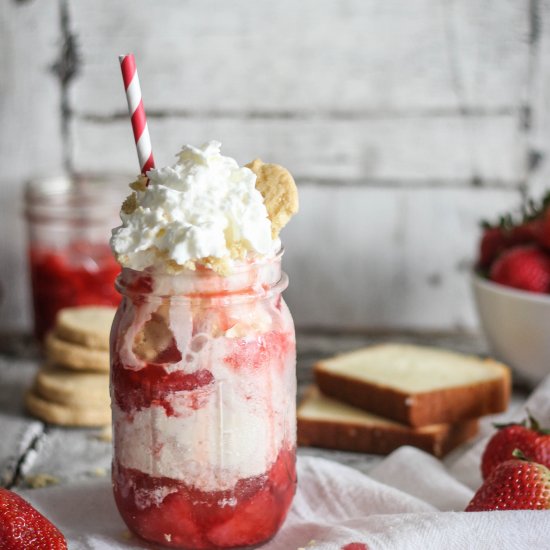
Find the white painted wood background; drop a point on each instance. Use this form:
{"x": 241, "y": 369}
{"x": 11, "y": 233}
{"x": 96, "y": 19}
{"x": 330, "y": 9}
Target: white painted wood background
{"x": 404, "y": 122}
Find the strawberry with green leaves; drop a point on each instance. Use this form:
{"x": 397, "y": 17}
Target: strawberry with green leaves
{"x": 516, "y": 484}
{"x": 22, "y": 527}
{"x": 499, "y": 238}
{"x": 527, "y": 436}
{"x": 531, "y": 227}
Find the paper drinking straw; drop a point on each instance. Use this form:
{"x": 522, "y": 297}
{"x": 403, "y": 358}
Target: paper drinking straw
{"x": 137, "y": 112}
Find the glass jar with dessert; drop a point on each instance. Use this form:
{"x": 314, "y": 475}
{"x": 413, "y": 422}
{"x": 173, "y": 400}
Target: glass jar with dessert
{"x": 70, "y": 261}
{"x": 203, "y": 354}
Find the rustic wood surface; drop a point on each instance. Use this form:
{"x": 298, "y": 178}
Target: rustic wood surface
{"x": 404, "y": 122}
{"x": 33, "y": 453}
{"x": 311, "y": 55}
{"x": 30, "y": 135}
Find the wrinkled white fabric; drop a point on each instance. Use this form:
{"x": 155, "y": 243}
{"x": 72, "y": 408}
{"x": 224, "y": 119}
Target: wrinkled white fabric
{"x": 410, "y": 500}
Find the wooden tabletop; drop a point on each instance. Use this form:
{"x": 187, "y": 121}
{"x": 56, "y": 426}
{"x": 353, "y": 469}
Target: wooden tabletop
{"x": 33, "y": 453}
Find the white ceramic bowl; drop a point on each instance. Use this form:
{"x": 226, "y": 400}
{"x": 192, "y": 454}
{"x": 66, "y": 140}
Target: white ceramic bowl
{"x": 517, "y": 326}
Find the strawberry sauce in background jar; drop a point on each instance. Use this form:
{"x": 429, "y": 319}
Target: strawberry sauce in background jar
{"x": 69, "y": 223}
{"x": 203, "y": 389}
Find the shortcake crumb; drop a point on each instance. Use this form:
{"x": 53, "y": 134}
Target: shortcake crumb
{"x": 38, "y": 481}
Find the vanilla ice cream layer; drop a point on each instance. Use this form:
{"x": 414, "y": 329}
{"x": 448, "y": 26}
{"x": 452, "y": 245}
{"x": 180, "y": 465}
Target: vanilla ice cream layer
{"x": 232, "y": 429}
{"x": 190, "y": 323}
{"x": 202, "y": 209}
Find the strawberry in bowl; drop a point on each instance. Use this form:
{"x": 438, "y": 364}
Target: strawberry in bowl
{"x": 511, "y": 285}
{"x": 526, "y": 267}
{"x": 515, "y": 252}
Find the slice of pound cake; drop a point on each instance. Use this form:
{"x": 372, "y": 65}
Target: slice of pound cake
{"x": 325, "y": 422}
{"x": 415, "y": 385}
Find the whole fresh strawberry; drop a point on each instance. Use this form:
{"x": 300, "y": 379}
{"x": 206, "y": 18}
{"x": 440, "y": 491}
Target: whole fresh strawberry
{"x": 527, "y": 436}
{"x": 22, "y": 527}
{"x": 525, "y": 267}
{"x": 516, "y": 484}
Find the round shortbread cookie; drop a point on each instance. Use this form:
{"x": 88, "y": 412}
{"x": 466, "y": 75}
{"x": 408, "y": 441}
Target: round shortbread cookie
{"x": 65, "y": 415}
{"x": 279, "y": 191}
{"x": 74, "y": 356}
{"x": 88, "y": 326}
{"x": 72, "y": 387}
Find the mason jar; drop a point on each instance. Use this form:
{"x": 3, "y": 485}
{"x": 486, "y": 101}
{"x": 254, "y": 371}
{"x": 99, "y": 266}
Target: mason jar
{"x": 203, "y": 390}
{"x": 69, "y": 224}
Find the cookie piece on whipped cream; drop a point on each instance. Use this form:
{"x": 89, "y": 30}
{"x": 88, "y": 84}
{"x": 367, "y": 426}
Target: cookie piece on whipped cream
{"x": 279, "y": 191}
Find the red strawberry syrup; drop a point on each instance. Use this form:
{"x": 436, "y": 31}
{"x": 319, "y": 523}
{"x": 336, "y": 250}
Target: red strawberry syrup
{"x": 256, "y": 352}
{"x": 247, "y": 515}
{"x": 82, "y": 274}
{"x": 140, "y": 389}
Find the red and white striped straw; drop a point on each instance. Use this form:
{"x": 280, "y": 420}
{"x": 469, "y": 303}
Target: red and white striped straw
{"x": 137, "y": 112}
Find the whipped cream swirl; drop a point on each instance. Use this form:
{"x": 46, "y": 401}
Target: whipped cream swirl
{"x": 203, "y": 210}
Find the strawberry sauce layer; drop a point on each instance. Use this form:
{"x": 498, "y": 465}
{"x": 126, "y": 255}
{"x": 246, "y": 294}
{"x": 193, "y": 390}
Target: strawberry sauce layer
{"x": 82, "y": 274}
{"x": 152, "y": 385}
{"x": 172, "y": 513}
{"x": 257, "y": 352}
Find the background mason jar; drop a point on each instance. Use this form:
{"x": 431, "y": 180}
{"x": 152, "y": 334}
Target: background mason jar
{"x": 69, "y": 222}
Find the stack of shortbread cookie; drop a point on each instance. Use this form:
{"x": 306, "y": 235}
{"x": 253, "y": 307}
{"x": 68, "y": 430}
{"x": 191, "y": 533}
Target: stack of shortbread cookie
{"x": 72, "y": 387}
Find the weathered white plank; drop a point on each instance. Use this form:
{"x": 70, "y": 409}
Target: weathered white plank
{"x": 30, "y": 134}
{"x": 539, "y": 97}
{"x": 411, "y": 150}
{"x": 29, "y": 447}
{"x": 18, "y": 435}
{"x": 352, "y": 90}
{"x": 68, "y": 455}
{"x": 375, "y": 258}
{"x": 356, "y": 55}
{"x": 17, "y": 430}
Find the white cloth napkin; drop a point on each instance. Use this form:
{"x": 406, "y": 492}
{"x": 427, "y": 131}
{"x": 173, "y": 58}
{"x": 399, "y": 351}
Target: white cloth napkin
{"x": 409, "y": 501}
